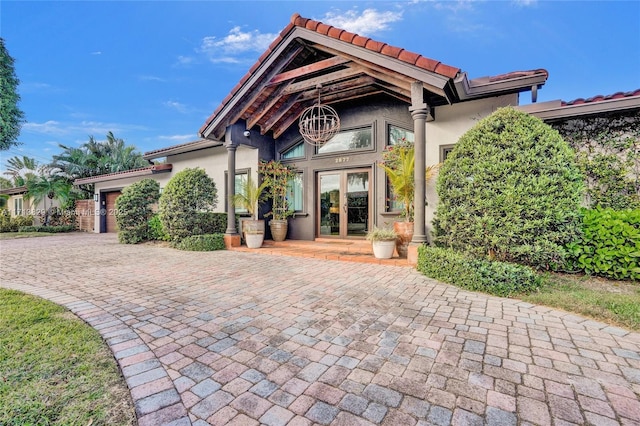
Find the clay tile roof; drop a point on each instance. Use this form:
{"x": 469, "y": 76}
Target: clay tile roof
{"x": 345, "y": 36}
{"x": 516, "y": 74}
{"x": 599, "y": 98}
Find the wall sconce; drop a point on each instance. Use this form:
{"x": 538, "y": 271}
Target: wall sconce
{"x": 160, "y": 190}
{"x": 247, "y": 133}
{"x": 96, "y": 197}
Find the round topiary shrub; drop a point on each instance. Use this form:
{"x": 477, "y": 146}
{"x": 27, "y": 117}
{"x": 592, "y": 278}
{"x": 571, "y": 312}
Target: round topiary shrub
{"x": 133, "y": 210}
{"x": 187, "y": 194}
{"x": 510, "y": 190}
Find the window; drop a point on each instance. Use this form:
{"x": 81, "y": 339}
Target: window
{"x": 445, "y": 150}
{"x": 17, "y": 206}
{"x": 296, "y": 151}
{"x": 350, "y": 140}
{"x": 295, "y": 193}
{"x": 394, "y": 136}
{"x": 241, "y": 179}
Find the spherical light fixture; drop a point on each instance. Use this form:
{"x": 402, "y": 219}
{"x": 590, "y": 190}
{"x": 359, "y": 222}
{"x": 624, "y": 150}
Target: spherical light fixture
{"x": 318, "y": 123}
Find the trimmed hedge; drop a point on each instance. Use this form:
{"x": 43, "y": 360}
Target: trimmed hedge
{"x": 510, "y": 190}
{"x": 498, "y": 278}
{"x": 134, "y": 209}
{"x": 50, "y": 229}
{"x": 156, "y": 230}
{"x": 609, "y": 245}
{"x": 205, "y": 242}
{"x": 11, "y": 224}
{"x": 213, "y": 223}
{"x": 189, "y": 192}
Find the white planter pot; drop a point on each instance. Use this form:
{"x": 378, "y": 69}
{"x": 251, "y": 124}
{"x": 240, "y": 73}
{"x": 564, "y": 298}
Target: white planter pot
{"x": 254, "y": 240}
{"x": 384, "y": 249}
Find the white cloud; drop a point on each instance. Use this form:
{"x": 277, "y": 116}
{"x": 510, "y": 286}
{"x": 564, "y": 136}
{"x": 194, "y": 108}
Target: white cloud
{"x": 84, "y": 127}
{"x": 151, "y": 78}
{"x": 454, "y": 6}
{"x": 184, "y": 60}
{"x": 180, "y": 107}
{"x": 525, "y": 3}
{"x": 234, "y": 47}
{"x": 369, "y": 22}
{"x": 96, "y": 53}
{"x": 178, "y": 138}
{"x": 50, "y": 127}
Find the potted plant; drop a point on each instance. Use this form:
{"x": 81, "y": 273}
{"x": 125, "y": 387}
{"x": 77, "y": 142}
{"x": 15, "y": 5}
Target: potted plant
{"x": 383, "y": 241}
{"x": 399, "y": 165}
{"x": 277, "y": 176}
{"x": 250, "y": 197}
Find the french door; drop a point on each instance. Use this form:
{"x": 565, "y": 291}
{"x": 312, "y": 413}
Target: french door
{"x": 344, "y": 203}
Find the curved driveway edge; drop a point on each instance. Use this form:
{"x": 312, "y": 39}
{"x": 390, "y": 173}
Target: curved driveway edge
{"x": 246, "y": 338}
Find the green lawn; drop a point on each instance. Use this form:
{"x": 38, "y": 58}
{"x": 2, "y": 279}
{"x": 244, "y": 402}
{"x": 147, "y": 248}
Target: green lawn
{"x": 55, "y": 369}
{"x": 612, "y": 302}
{"x": 13, "y": 235}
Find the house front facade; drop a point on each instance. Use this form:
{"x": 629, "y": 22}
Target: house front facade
{"x": 381, "y": 94}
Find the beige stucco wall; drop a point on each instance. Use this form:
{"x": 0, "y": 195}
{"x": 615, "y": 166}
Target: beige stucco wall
{"x": 212, "y": 160}
{"x": 450, "y": 123}
{"x": 30, "y": 208}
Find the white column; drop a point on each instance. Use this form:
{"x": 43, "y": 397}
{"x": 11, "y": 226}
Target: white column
{"x": 231, "y": 189}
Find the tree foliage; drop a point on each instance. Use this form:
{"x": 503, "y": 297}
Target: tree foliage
{"x": 48, "y": 187}
{"x": 95, "y": 158}
{"x": 11, "y": 117}
{"x": 511, "y": 191}
{"x": 134, "y": 210}
{"x": 22, "y": 169}
{"x": 188, "y": 193}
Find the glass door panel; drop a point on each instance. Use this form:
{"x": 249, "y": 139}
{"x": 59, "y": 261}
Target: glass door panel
{"x": 344, "y": 203}
{"x": 357, "y": 199}
{"x": 330, "y": 205}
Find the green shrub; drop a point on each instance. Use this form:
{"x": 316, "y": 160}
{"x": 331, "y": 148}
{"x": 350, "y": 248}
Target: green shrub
{"x": 494, "y": 277}
{"x": 189, "y": 192}
{"x": 11, "y": 224}
{"x": 51, "y": 229}
{"x": 59, "y": 216}
{"x": 156, "y": 230}
{"x": 510, "y": 190}
{"x": 609, "y": 245}
{"x": 134, "y": 209}
{"x": 213, "y": 223}
{"x": 205, "y": 242}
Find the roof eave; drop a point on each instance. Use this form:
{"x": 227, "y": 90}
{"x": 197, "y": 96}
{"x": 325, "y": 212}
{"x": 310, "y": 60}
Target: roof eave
{"x": 181, "y": 149}
{"x": 152, "y": 170}
{"x": 550, "y": 111}
{"x": 468, "y": 90}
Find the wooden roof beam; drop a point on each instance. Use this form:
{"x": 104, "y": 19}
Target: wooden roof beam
{"x": 308, "y": 69}
{"x": 323, "y": 80}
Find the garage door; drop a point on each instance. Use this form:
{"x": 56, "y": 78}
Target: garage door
{"x": 111, "y": 210}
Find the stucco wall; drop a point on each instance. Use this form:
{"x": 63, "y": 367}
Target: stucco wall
{"x": 212, "y": 160}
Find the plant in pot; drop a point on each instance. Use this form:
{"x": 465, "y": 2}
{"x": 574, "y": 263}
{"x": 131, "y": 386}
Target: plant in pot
{"x": 250, "y": 197}
{"x": 398, "y": 162}
{"x": 383, "y": 241}
{"x": 277, "y": 176}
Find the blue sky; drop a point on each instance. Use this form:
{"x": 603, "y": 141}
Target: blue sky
{"x": 152, "y": 71}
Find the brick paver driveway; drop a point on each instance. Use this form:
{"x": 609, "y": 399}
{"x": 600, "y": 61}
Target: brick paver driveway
{"x": 245, "y": 338}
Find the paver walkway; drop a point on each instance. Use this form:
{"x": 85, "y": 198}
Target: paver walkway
{"x": 250, "y": 338}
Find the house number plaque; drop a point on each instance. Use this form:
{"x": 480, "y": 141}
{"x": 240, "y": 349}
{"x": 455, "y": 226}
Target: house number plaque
{"x": 342, "y": 160}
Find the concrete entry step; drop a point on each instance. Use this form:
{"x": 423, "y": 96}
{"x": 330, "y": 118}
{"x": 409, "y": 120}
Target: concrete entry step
{"x": 326, "y": 248}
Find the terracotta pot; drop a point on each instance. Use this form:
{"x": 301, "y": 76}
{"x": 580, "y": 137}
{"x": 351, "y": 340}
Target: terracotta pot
{"x": 405, "y": 234}
{"x": 278, "y": 229}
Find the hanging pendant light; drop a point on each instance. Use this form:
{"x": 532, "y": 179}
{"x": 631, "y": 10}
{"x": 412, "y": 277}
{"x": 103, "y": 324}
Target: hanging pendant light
{"x": 318, "y": 123}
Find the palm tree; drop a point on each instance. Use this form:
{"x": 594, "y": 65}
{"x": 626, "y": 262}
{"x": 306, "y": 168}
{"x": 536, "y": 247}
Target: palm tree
{"x": 22, "y": 170}
{"x": 48, "y": 186}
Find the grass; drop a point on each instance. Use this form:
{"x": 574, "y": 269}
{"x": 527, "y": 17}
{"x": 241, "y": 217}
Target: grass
{"x": 55, "y": 369}
{"x": 14, "y": 235}
{"x": 611, "y": 302}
